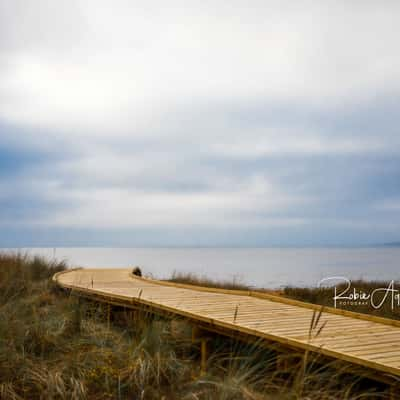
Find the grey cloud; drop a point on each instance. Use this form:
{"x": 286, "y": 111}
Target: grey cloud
{"x": 272, "y": 124}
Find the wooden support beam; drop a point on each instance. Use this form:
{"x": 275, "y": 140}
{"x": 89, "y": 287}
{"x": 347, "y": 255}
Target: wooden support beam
{"x": 201, "y": 336}
{"x": 108, "y": 315}
{"x": 204, "y": 356}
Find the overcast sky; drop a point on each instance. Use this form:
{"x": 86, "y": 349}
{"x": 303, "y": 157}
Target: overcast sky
{"x": 204, "y": 123}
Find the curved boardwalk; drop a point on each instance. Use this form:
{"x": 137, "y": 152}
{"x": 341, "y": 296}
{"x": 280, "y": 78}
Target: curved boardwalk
{"x": 363, "y": 340}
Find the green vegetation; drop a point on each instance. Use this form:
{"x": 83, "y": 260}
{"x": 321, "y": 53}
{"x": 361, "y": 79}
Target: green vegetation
{"x": 55, "y": 346}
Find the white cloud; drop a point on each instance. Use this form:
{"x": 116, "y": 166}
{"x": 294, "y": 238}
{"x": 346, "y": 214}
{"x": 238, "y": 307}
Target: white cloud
{"x": 127, "y": 63}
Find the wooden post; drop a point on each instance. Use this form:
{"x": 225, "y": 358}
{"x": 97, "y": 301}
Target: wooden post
{"x": 394, "y": 391}
{"x": 108, "y": 315}
{"x": 195, "y": 333}
{"x": 204, "y": 356}
{"x": 200, "y": 336}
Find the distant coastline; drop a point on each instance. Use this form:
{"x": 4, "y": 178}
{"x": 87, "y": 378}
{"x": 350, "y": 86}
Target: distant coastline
{"x": 391, "y": 244}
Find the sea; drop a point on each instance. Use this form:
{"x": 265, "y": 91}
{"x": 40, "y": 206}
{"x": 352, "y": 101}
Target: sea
{"x": 258, "y": 267}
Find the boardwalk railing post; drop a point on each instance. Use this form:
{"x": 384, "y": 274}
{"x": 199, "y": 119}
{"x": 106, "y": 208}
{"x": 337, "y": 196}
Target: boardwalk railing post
{"x": 200, "y": 335}
{"x": 204, "y": 356}
{"x": 108, "y": 315}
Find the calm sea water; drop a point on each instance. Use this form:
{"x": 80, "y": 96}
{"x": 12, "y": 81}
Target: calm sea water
{"x": 270, "y": 267}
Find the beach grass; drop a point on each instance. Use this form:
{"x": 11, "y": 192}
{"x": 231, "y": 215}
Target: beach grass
{"x": 189, "y": 278}
{"x": 325, "y": 296}
{"x": 54, "y": 345}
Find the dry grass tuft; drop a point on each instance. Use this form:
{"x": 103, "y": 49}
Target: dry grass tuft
{"x": 193, "y": 279}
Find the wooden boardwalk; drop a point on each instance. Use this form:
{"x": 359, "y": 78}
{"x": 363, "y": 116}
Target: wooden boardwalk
{"x": 370, "y": 342}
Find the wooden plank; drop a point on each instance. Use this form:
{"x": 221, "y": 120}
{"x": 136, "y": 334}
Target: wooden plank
{"x": 372, "y": 350}
{"x": 345, "y": 341}
{"x": 379, "y": 343}
{"x": 275, "y": 317}
{"x": 330, "y": 329}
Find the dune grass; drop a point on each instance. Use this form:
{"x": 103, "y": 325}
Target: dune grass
{"x": 324, "y": 296}
{"x": 54, "y": 345}
{"x": 189, "y": 278}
